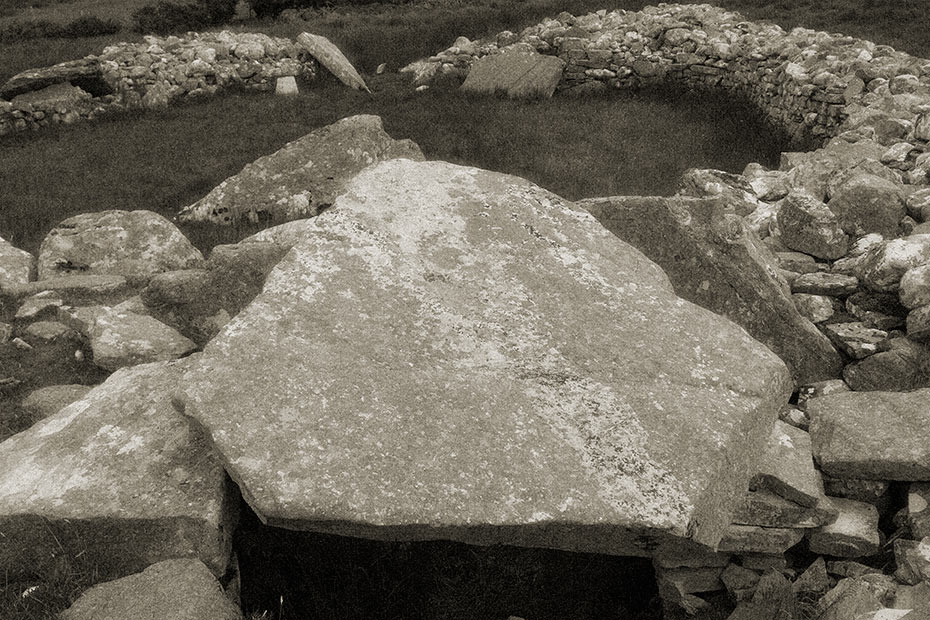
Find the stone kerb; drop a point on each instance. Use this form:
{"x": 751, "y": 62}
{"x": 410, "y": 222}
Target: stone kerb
{"x": 813, "y": 84}
{"x": 151, "y": 74}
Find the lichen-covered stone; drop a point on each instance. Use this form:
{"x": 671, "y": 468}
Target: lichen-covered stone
{"x": 459, "y": 354}
{"x": 866, "y": 203}
{"x": 520, "y": 73}
{"x": 16, "y": 266}
{"x": 883, "y": 266}
{"x": 906, "y": 366}
{"x": 302, "y": 178}
{"x": 854, "y": 533}
{"x": 126, "y": 243}
{"x": 118, "y": 478}
{"x": 914, "y": 288}
{"x": 808, "y": 226}
{"x": 786, "y": 468}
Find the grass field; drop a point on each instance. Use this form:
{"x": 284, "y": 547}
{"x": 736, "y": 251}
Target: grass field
{"x": 615, "y": 144}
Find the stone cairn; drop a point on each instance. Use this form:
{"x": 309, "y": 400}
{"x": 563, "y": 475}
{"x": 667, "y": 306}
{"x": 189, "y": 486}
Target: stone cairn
{"x": 151, "y": 75}
{"x": 843, "y": 231}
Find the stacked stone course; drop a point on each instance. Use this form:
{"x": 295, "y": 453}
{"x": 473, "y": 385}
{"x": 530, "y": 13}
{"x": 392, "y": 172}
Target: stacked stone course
{"x": 151, "y": 74}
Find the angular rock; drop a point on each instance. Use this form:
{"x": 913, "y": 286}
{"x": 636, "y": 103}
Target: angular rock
{"x": 519, "y": 73}
{"x": 84, "y": 73}
{"x": 905, "y": 367}
{"x": 872, "y": 435}
{"x": 773, "y": 598}
{"x": 799, "y": 263}
{"x": 786, "y": 467}
{"x": 302, "y": 178}
{"x": 914, "y": 288}
{"x": 332, "y": 58}
{"x": 765, "y": 509}
{"x": 815, "y": 308}
{"x": 882, "y": 267}
{"x": 912, "y": 597}
{"x": 821, "y": 388}
{"x": 830, "y": 284}
{"x": 53, "y": 96}
{"x": 740, "y": 582}
{"x": 126, "y": 243}
{"x": 171, "y": 589}
{"x": 856, "y": 340}
{"x": 866, "y": 203}
{"x": 918, "y": 324}
{"x": 913, "y": 560}
{"x": 768, "y": 185}
{"x": 755, "y": 539}
{"x": 808, "y": 226}
{"x": 918, "y": 514}
{"x": 872, "y": 491}
{"x": 117, "y": 478}
{"x": 877, "y": 310}
{"x": 120, "y": 338}
{"x": 714, "y": 262}
{"x": 41, "y": 305}
{"x": 854, "y": 534}
{"x": 286, "y": 86}
{"x": 707, "y": 183}
{"x": 691, "y": 580}
{"x": 16, "y": 266}
{"x": 385, "y": 421}
{"x": 850, "y": 598}
{"x": 47, "y": 331}
{"x": 849, "y": 568}
{"x": 47, "y": 401}
{"x": 813, "y": 579}
{"x": 73, "y": 289}
{"x": 814, "y": 171}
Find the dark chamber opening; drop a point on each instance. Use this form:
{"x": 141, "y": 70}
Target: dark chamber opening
{"x": 304, "y": 575}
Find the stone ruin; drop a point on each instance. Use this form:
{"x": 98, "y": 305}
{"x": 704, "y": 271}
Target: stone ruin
{"x": 731, "y": 381}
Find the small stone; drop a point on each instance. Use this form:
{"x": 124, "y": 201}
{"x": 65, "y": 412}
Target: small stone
{"x": 914, "y": 288}
{"x": 786, "y": 468}
{"x": 798, "y": 262}
{"x": 16, "y": 266}
{"x": 286, "y": 86}
{"x": 37, "y": 306}
{"x": 913, "y": 560}
{"x": 381, "y": 68}
{"x": 918, "y": 514}
{"x": 21, "y": 344}
{"x": 821, "y": 388}
{"x": 816, "y": 308}
{"x": 814, "y": 578}
{"x": 754, "y": 539}
{"x": 856, "y": 340}
{"x": 808, "y": 226}
{"x": 6, "y": 330}
{"x": 918, "y": 324}
{"x": 832, "y": 284}
{"x": 854, "y": 534}
{"x": 766, "y": 509}
{"x": 795, "y": 417}
{"x": 905, "y": 367}
{"x": 866, "y": 203}
{"x": 897, "y": 154}
{"x": 918, "y": 202}
{"x": 48, "y": 331}
{"x": 872, "y": 491}
{"x": 883, "y": 266}
{"x": 739, "y": 581}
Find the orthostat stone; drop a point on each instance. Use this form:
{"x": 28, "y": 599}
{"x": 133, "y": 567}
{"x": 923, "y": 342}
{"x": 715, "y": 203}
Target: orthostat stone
{"x": 456, "y": 353}
{"x": 333, "y": 59}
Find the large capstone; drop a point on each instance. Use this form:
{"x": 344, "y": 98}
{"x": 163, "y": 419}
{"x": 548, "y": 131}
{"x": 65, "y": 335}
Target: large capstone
{"x": 455, "y": 353}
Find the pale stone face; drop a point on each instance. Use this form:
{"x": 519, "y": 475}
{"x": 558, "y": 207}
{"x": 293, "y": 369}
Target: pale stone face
{"x": 459, "y": 354}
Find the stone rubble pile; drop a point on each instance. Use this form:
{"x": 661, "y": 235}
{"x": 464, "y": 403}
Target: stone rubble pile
{"x": 159, "y": 71}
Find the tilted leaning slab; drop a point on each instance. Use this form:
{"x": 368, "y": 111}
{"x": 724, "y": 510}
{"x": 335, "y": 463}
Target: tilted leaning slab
{"x": 454, "y": 353}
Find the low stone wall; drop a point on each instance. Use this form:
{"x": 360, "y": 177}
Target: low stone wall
{"x": 813, "y": 84}
{"x": 151, "y": 74}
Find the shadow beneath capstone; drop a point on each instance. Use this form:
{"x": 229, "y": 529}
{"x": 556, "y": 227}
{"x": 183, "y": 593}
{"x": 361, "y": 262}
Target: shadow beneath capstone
{"x": 304, "y": 575}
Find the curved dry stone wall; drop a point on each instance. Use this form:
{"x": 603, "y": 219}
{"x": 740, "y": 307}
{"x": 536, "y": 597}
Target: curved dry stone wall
{"x": 150, "y": 74}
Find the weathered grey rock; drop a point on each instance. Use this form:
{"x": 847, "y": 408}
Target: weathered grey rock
{"x": 850, "y": 598}
{"x": 808, "y": 226}
{"x": 872, "y": 435}
{"x": 918, "y": 514}
{"x": 872, "y": 491}
{"x": 286, "y": 86}
{"x": 73, "y": 289}
{"x": 768, "y": 185}
{"x": 16, "y": 266}
{"x": 773, "y": 598}
{"x": 913, "y": 560}
{"x": 912, "y": 597}
{"x": 795, "y": 417}
{"x": 763, "y": 561}
{"x": 120, "y": 338}
{"x": 43, "y": 402}
{"x": 716, "y": 263}
{"x": 914, "y": 288}
{"x": 882, "y": 267}
{"x": 691, "y": 580}
{"x": 126, "y": 243}
{"x": 786, "y": 467}
{"x": 821, "y": 388}
{"x": 518, "y": 72}
{"x": 813, "y": 171}
{"x": 708, "y": 183}
{"x": 830, "y": 284}
{"x": 866, "y": 203}
{"x": 877, "y": 310}
{"x": 332, "y": 58}
{"x": 739, "y": 581}
{"x": 918, "y": 324}
{"x": 755, "y": 539}
{"x": 799, "y": 263}
{"x": 475, "y": 273}
{"x": 765, "y": 509}
{"x": 905, "y": 367}
{"x": 815, "y": 308}
{"x": 856, "y": 340}
{"x": 302, "y": 178}
{"x": 47, "y": 331}
{"x": 854, "y": 533}
{"x": 84, "y": 73}
{"x": 171, "y": 589}
{"x": 41, "y": 305}
{"x": 54, "y": 96}
{"x": 814, "y": 578}
{"x": 118, "y": 478}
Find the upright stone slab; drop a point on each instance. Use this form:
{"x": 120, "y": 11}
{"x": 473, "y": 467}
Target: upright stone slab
{"x": 716, "y": 263}
{"x": 302, "y": 178}
{"x": 333, "y": 59}
{"x": 16, "y": 266}
{"x": 455, "y": 353}
{"x": 520, "y": 73}
{"x": 117, "y": 480}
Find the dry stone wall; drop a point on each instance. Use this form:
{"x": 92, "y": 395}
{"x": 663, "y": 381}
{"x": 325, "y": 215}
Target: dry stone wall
{"x": 151, "y": 74}
{"x": 811, "y": 83}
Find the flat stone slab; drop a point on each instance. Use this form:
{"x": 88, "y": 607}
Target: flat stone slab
{"x": 84, "y": 73}
{"x": 302, "y": 178}
{"x": 118, "y": 478}
{"x": 126, "y": 243}
{"x": 854, "y": 533}
{"x": 766, "y": 509}
{"x": 332, "y": 58}
{"x": 172, "y": 589}
{"x": 519, "y": 73}
{"x": 786, "y": 467}
{"x": 459, "y": 354}
{"x": 872, "y": 435}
